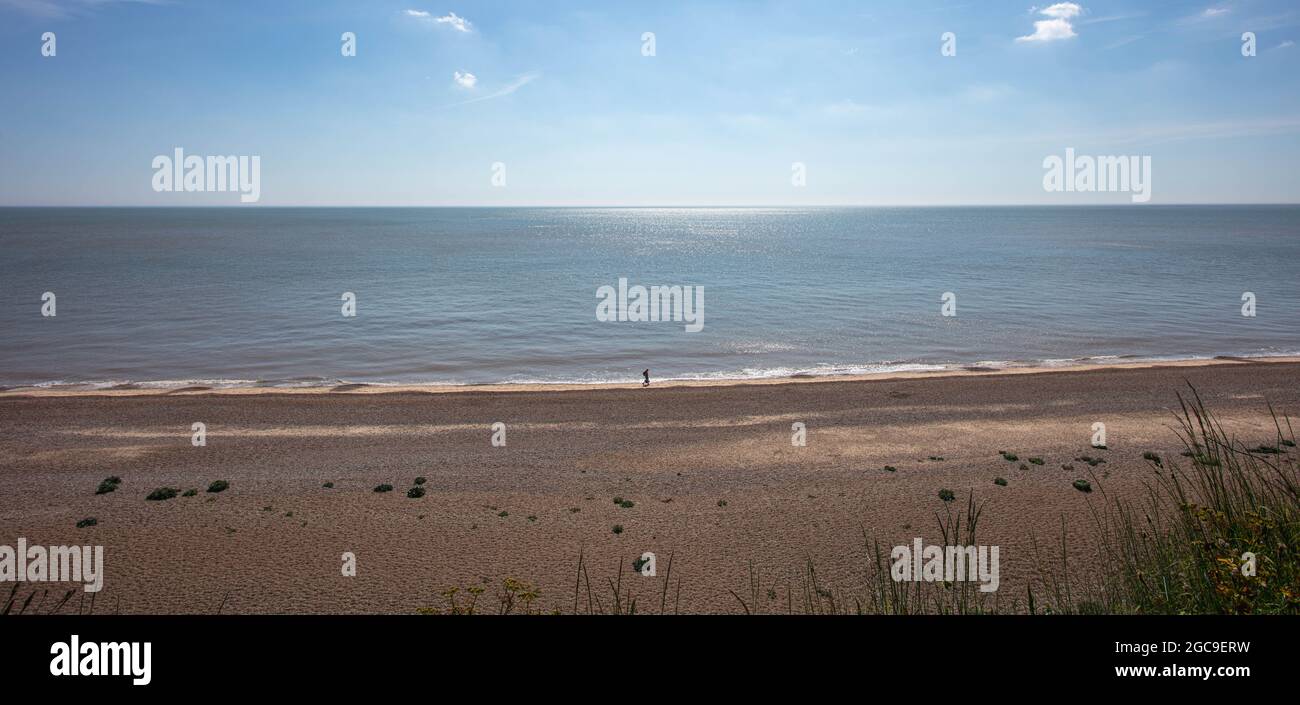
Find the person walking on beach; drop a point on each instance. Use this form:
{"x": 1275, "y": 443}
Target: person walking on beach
{"x": 646, "y": 374}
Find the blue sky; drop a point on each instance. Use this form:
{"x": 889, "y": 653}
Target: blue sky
{"x": 563, "y": 96}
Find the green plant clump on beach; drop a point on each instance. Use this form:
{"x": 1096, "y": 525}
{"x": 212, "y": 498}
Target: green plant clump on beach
{"x": 108, "y": 485}
{"x": 190, "y": 492}
{"x": 1180, "y": 551}
{"x": 415, "y": 492}
{"x": 947, "y": 495}
{"x": 1083, "y": 485}
{"x": 162, "y": 493}
{"x": 1000, "y": 481}
{"x": 1009, "y": 457}
{"x": 88, "y": 521}
{"x": 218, "y": 486}
{"x": 384, "y": 488}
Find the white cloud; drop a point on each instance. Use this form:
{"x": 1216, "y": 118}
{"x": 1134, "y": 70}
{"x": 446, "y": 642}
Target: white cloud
{"x": 465, "y": 80}
{"x": 1283, "y": 45}
{"x": 1058, "y": 27}
{"x": 1062, "y": 10}
{"x": 1212, "y": 16}
{"x": 456, "y": 22}
{"x": 1049, "y": 31}
{"x": 505, "y": 90}
{"x": 460, "y": 24}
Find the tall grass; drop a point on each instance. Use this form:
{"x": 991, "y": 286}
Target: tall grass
{"x": 881, "y": 594}
{"x": 44, "y": 606}
{"x": 518, "y": 597}
{"x": 1183, "y": 548}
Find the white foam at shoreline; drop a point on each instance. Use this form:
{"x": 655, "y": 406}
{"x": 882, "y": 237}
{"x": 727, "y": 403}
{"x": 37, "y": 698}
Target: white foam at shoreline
{"x": 821, "y": 371}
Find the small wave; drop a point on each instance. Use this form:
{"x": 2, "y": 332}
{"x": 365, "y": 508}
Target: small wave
{"x": 742, "y": 374}
{"x": 745, "y": 347}
{"x": 172, "y": 384}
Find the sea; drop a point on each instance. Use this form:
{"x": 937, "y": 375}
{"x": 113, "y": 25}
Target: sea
{"x": 256, "y": 296}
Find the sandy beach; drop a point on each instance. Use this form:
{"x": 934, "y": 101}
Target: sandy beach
{"x": 710, "y": 470}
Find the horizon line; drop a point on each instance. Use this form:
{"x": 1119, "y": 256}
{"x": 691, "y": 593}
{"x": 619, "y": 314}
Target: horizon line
{"x": 663, "y": 206}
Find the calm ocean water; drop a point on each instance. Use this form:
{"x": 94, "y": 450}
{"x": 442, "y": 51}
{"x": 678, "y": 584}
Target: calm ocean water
{"x": 245, "y": 295}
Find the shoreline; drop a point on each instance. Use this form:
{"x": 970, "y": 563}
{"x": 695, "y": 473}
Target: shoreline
{"x": 364, "y": 388}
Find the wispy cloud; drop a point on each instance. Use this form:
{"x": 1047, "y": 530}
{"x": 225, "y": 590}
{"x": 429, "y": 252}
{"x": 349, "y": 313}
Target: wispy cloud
{"x": 1111, "y": 18}
{"x": 1284, "y": 45}
{"x": 1057, "y": 26}
{"x": 1213, "y": 19}
{"x": 1175, "y": 132}
{"x": 1123, "y": 41}
{"x": 505, "y": 90}
{"x": 460, "y": 24}
{"x": 1206, "y": 17}
{"x": 451, "y": 19}
{"x": 1255, "y": 127}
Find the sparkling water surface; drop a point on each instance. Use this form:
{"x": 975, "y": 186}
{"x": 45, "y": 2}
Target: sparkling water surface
{"x": 447, "y": 295}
